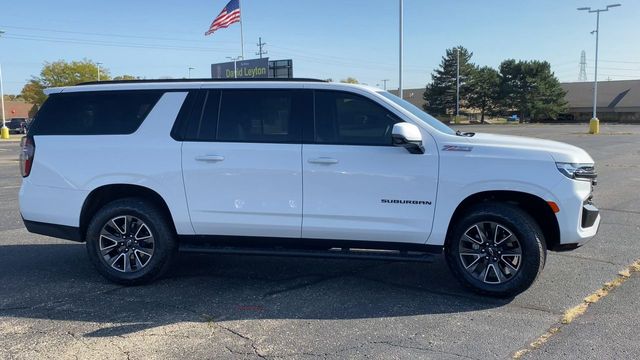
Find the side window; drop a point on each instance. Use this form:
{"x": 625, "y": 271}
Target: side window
{"x": 259, "y": 116}
{"x": 348, "y": 119}
{"x": 203, "y": 120}
{"x": 94, "y": 113}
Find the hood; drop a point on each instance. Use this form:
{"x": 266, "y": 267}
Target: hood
{"x": 561, "y": 152}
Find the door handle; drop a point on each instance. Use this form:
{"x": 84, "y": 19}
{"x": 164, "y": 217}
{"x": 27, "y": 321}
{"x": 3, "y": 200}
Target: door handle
{"x": 210, "y": 158}
{"x": 323, "y": 160}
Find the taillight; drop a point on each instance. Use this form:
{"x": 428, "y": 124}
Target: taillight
{"x": 28, "y": 146}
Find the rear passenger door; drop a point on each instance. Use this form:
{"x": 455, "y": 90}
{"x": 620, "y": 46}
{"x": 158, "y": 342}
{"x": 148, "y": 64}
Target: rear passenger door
{"x": 241, "y": 159}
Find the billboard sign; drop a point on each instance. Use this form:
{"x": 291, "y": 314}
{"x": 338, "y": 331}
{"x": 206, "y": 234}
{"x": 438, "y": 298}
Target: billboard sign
{"x": 244, "y": 69}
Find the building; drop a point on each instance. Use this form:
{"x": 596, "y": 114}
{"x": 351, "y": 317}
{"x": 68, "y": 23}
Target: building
{"x": 413, "y": 96}
{"x": 16, "y": 109}
{"x": 618, "y": 101}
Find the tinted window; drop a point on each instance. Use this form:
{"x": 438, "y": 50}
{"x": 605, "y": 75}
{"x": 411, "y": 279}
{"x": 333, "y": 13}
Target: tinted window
{"x": 349, "y": 119}
{"x": 94, "y": 113}
{"x": 260, "y": 116}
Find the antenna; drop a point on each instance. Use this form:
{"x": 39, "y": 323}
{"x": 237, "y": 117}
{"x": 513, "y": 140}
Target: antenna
{"x": 583, "y": 67}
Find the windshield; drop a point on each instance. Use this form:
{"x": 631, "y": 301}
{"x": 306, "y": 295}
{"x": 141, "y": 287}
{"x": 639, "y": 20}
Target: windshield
{"x": 423, "y": 116}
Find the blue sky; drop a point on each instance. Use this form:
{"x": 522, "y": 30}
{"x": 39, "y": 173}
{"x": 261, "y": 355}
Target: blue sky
{"x": 326, "y": 38}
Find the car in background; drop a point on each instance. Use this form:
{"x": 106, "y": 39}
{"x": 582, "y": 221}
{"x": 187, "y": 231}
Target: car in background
{"x": 17, "y": 125}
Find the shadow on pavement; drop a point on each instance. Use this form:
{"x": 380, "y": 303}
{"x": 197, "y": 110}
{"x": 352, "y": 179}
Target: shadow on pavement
{"x": 57, "y": 282}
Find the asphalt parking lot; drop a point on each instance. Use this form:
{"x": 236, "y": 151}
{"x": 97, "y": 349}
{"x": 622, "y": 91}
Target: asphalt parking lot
{"x": 54, "y": 305}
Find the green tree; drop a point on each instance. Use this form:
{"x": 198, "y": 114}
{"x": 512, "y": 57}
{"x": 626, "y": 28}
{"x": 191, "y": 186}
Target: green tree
{"x": 126, "y": 77}
{"x": 531, "y": 89}
{"x": 33, "y": 92}
{"x": 61, "y": 73}
{"x": 440, "y": 94}
{"x": 484, "y": 90}
{"x": 350, "y": 80}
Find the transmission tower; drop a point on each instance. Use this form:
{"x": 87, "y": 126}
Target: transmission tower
{"x": 583, "y": 67}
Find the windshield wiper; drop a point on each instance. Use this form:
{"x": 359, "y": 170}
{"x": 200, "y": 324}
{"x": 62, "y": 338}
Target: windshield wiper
{"x": 467, "y": 134}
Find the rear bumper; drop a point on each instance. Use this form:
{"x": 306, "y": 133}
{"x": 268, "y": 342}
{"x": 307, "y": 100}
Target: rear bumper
{"x": 54, "y": 230}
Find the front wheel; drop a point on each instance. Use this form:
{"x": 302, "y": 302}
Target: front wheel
{"x": 130, "y": 242}
{"x": 496, "y": 249}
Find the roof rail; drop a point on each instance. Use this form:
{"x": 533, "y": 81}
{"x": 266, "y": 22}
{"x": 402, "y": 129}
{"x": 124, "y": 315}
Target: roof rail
{"x": 141, "y": 81}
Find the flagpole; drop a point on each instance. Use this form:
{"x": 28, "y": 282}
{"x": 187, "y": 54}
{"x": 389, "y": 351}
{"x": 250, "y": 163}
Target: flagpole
{"x": 241, "y": 33}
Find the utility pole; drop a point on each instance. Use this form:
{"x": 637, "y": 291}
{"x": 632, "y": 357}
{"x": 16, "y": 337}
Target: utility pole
{"x": 385, "y": 83}
{"x": 458, "y": 82}
{"x": 260, "y": 46}
{"x": 594, "y": 124}
{"x": 4, "y": 131}
{"x": 190, "y": 68}
{"x": 98, "y": 65}
{"x": 400, "y": 89}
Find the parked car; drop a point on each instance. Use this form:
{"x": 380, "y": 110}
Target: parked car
{"x": 139, "y": 170}
{"x": 17, "y": 125}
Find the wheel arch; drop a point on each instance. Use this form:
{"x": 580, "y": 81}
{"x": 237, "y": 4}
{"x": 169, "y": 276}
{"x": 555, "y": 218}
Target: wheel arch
{"x": 105, "y": 194}
{"x": 533, "y": 205}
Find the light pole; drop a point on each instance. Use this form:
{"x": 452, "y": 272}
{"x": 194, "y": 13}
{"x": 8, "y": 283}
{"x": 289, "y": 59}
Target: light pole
{"x": 594, "y": 124}
{"x": 457, "y": 81}
{"x": 400, "y": 90}
{"x": 4, "y": 131}
{"x": 235, "y": 65}
{"x": 98, "y": 66}
{"x": 385, "y": 83}
{"x": 190, "y": 68}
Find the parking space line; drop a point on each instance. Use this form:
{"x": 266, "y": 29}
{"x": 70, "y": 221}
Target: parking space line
{"x": 575, "y": 312}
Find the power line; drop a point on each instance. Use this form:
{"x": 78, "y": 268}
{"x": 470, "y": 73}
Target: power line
{"x": 109, "y": 43}
{"x": 108, "y": 34}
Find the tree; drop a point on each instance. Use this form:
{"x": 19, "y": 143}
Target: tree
{"x": 440, "y": 94}
{"x": 126, "y": 77}
{"x": 350, "y": 80}
{"x": 33, "y": 92}
{"x": 531, "y": 89}
{"x": 484, "y": 90}
{"x": 61, "y": 73}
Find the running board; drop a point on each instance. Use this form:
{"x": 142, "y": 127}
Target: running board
{"x": 334, "y": 253}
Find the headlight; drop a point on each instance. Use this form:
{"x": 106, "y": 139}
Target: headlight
{"x": 578, "y": 171}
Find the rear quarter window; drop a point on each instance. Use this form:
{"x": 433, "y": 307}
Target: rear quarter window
{"x": 94, "y": 113}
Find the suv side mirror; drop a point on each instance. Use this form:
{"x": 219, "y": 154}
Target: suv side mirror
{"x": 408, "y": 136}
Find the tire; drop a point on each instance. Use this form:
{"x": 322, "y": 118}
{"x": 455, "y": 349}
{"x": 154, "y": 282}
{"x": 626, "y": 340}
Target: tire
{"x": 131, "y": 230}
{"x": 507, "y": 231}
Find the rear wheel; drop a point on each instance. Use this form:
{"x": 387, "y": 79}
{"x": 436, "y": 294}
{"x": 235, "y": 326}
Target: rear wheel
{"x": 130, "y": 242}
{"x": 496, "y": 249}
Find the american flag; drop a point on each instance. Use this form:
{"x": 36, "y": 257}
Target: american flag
{"x": 229, "y": 15}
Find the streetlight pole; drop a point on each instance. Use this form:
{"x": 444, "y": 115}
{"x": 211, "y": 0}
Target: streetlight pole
{"x": 594, "y": 124}
{"x": 457, "y": 81}
{"x": 235, "y": 65}
{"x": 190, "y": 68}
{"x": 98, "y": 66}
{"x": 400, "y": 89}
{"x": 385, "y": 83}
{"x": 4, "y": 132}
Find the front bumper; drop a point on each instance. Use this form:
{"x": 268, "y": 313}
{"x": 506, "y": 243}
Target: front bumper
{"x": 590, "y": 214}
{"x": 578, "y": 219}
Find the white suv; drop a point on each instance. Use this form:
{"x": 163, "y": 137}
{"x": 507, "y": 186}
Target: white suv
{"x": 139, "y": 170}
